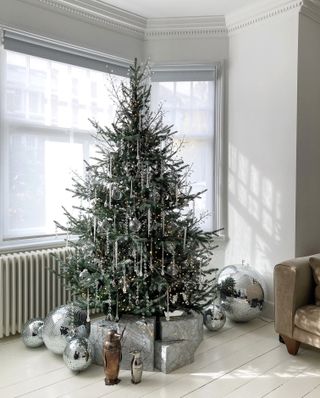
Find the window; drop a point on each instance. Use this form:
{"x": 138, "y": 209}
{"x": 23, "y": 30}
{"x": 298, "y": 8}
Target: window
{"x": 47, "y": 94}
{"x": 188, "y": 102}
{"x": 45, "y": 136}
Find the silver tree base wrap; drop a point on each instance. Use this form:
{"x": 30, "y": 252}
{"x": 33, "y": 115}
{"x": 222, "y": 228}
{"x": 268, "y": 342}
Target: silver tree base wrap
{"x": 138, "y": 336}
{"x": 179, "y": 339}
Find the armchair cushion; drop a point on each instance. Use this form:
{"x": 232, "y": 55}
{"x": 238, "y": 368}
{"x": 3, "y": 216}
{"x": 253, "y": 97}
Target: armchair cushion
{"x": 307, "y": 318}
{"x": 315, "y": 265}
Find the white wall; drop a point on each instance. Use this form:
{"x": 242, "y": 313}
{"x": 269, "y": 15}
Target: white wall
{"x": 70, "y": 29}
{"x": 308, "y": 145}
{"x": 262, "y": 109}
{"x": 187, "y": 50}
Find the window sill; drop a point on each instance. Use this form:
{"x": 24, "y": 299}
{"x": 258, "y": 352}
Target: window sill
{"x": 32, "y": 244}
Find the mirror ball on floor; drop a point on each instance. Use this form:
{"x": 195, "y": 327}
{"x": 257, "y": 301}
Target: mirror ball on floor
{"x": 78, "y": 354}
{"x": 241, "y": 292}
{"x": 214, "y": 317}
{"x": 32, "y": 333}
{"x": 59, "y": 323}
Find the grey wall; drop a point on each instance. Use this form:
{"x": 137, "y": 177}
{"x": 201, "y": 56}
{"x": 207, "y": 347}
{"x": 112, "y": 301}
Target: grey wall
{"x": 187, "y": 50}
{"x": 308, "y": 139}
{"x": 70, "y": 29}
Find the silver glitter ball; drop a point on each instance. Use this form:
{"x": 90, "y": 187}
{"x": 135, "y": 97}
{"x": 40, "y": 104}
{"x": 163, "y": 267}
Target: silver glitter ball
{"x": 32, "y": 333}
{"x": 77, "y": 354}
{"x": 241, "y": 292}
{"x": 58, "y": 324}
{"x": 134, "y": 224}
{"x": 214, "y": 317}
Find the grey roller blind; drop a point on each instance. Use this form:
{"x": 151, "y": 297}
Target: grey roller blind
{"x": 63, "y": 53}
{"x": 179, "y": 73}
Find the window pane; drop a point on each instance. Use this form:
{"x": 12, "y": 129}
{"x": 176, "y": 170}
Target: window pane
{"x": 189, "y": 107}
{"x": 47, "y": 106}
{"x": 25, "y": 197}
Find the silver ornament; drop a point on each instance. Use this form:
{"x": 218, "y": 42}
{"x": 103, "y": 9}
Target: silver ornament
{"x": 58, "y": 325}
{"x": 77, "y": 354}
{"x": 171, "y": 246}
{"x": 214, "y": 317}
{"x": 134, "y": 224}
{"x": 116, "y": 194}
{"x": 32, "y": 333}
{"x": 241, "y": 292}
{"x": 156, "y": 196}
{"x": 85, "y": 277}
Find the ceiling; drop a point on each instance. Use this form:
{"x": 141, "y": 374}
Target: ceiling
{"x": 180, "y": 8}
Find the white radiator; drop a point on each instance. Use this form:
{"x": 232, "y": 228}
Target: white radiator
{"x": 29, "y": 288}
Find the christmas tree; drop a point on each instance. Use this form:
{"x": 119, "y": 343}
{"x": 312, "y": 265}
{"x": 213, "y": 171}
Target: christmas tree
{"x": 139, "y": 246}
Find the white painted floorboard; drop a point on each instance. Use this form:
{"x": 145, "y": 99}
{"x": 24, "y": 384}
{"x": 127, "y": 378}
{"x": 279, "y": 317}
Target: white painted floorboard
{"x": 239, "y": 361}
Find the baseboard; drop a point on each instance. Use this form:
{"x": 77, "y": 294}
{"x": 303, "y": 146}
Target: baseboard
{"x": 268, "y": 310}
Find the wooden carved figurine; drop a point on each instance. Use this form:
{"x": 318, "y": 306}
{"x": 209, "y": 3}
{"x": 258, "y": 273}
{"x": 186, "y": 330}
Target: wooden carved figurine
{"x": 112, "y": 357}
{"x": 136, "y": 367}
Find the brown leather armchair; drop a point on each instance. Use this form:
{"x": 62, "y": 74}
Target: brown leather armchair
{"x": 297, "y": 318}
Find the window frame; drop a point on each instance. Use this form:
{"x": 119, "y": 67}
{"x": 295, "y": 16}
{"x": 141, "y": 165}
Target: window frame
{"x": 186, "y": 71}
{"x": 38, "y": 46}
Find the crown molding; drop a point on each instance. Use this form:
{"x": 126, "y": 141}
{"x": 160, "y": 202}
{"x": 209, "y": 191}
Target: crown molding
{"x": 98, "y": 13}
{"x": 186, "y": 27}
{"x": 311, "y": 9}
{"x": 260, "y": 12}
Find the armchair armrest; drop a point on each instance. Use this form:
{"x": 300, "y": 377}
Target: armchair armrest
{"x": 293, "y": 288}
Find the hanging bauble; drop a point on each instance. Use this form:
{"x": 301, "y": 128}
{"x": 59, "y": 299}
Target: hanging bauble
{"x": 77, "y": 354}
{"x": 241, "y": 292}
{"x": 32, "y": 333}
{"x": 171, "y": 246}
{"x": 85, "y": 277}
{"x": 134, "y": 224}
{"x": 156, "y": 196}
{"x": 116, "y": 194}
{"x": 58, "y": 325}
{"x": 94, "y": 202}
{"x": 105, "y": 224}
{"x": 214, "y": 317}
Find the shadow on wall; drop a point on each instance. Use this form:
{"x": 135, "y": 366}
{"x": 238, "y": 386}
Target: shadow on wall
{"x": 254, "y": 217}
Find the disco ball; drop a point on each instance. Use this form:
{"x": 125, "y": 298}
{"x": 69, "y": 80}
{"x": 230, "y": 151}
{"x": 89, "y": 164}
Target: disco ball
{"x": 32, "y": 333}
{"x": 241, "y": 292}
{"x": 214, "y": 317}
{"x": 58, "y": 326}
{"x": 77, "y": 354}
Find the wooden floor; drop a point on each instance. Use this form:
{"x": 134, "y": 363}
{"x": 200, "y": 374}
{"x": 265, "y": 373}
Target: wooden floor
{"x": 241, "y": 360}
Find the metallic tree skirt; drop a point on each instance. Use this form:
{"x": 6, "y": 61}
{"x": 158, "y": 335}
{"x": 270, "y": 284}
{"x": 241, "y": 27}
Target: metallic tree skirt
{"x": 179, "y": 339}
{"x": 138, "y": 336}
